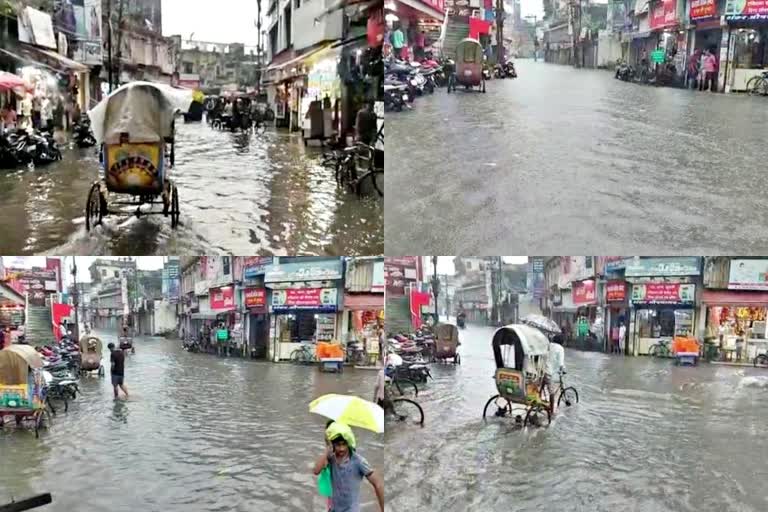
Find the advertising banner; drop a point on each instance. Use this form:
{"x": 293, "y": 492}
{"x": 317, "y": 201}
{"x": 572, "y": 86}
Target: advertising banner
{"x": 584, "y": 292}
{"x": 741, "y": 10}
{"x": 36, "y": 27}
{"x": 324, "y": 299}
{"x": 305, "y": 271}
{"x": 658, "y": 267}
{"x": 663, "y": 293}
{"x": 255, "y": 297}
{"x": 703, "y": 9}
{"x": 222, "y": 299}
{"x": 254, "y": 266}
{"x": 748, "y": 275}
{"x": 399, "y": 273}
{"x": 37, "y": 283}
{"x": 615, "y": 291}
{"x": 664, "y": 14}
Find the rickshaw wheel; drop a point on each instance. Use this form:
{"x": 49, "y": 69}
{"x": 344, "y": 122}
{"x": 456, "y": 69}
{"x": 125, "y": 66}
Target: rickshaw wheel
{"x": 101, "y": 370}
{"x": 536, "y": 416}
{"x": 175, "y": 211}
{"x": 482, "y": 89}
{"x": 457, "y": 359}
{"x": 500, "y": 412}
{"x": 94, "y": 211}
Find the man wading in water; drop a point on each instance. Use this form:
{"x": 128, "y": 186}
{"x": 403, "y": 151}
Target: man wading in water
{"x": 117, "y": 359}
{"x": 348, "y": 469}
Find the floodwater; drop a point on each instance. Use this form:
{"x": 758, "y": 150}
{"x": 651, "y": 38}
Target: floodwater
{"x": 242, "y": 194}
{"x": 561, "y": 157}
{"x": 198, "y": 433}
{"x": 646, "y": 437}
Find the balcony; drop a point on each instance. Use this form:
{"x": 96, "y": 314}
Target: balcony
{"x": 307, "y": 32}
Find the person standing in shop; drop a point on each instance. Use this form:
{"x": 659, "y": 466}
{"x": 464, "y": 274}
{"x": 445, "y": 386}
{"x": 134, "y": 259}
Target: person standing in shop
{"x": 36, "y": 112}
{"x": 421, "y": 42}
{"x": 46, "y": 113}
{"x": 709, "y": 63}
{"x": 26, "y": 112}
{"x": 398, "y": 42}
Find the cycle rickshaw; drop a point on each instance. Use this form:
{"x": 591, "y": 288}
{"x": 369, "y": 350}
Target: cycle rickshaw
{"x": 134, "y": 127}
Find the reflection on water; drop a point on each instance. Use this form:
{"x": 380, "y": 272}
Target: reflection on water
{"x": 240, "y": 193}
{"x": 198, "y": 433}
{"x": 646, "y": 436}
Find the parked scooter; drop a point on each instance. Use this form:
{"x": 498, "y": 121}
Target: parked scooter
{"x": 82, "y": 135}
{"x": 624, "y": 72}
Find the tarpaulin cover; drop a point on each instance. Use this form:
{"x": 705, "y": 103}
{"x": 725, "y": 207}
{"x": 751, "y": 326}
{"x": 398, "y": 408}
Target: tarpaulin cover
{"x": 145, "y": 110}
{"x": 15, "y": 362}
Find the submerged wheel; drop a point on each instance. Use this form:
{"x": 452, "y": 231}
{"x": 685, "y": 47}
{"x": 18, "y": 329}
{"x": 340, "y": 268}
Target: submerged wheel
{"x": 568, "y": 395}
{"x": 538, "y": 415}
{"x": 457, "y": 359}
{"x": 503, "y": 407}
{"x": 761, "y": 361}
{"x": 95, "y": 207}
{"x": 101, "y": 370}
{"x": 175, "y": 211}
{"x": 406, "y": 387}
{"x": 406, "y": 410}
{"x": 297, "y": 356}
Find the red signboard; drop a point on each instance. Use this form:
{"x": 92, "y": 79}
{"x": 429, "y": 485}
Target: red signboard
{"x": 664, "y": 14}
{"x": 438, "y": 5}
{"x": 255, "y": 297}
{"x": 222, "y": 299}
{"x": 584, "y": 292}
{"x": 701, "y": 9}
{"x": 746, "y": 10}
{"x": 615, "y": 291}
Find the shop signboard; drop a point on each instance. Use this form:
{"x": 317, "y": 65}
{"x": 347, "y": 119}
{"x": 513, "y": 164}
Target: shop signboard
{"x": 584, "y": 292}
{"x": 615, "y": 291}
{"x": 664, "y": 14}
{"x": 657, "y": 56}
{"x": 399, "y": 273}
{"x": 255, "y": 298}
{"x": 36, "y": 283}
{"x": 538, "y": 282}
{"x": 222, "y": 299}
{"x": 663, "y": 293}
{"x": 748, "y": 275}
{"x": 324, "y": 299}
{"x": 305, "y": 271}
{"x": 254, "y": 266}
{"x": 377, "y": 282}
{"x": 703, "y": 9}
{"x": 201, "y": 288}
{"x": 742, "y": 10}
{"x": 659, "y": 267}
{"x": 36, "y": 27}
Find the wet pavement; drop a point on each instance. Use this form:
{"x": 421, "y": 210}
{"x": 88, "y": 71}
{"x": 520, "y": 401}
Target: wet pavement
{"x": 241, "y": 194}
{"x": 646, "y": 436}
{"x": 198, "y": 433}
{"x": 575, "y": 158}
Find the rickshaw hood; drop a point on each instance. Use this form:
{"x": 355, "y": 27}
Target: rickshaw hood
{"x": 15, "y": 362}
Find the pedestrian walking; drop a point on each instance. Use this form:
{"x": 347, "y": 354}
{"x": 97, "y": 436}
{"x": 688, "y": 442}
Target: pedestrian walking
{"x": 117, "y": 364}
{"x": 398, "y": 42}
{"x": 555, "y": 365}
{"x": 348, "y": 469}
{"x": 621, "y": 338}
{"x": 46, "y": 113}
{"x": 709, "y": 64}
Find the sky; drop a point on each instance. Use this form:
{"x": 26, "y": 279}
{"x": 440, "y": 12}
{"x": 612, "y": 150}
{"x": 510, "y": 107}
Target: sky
{"x": 531, "y": 8}
{"x": 83, "y": 262}
{"x": 445, "y": 263}
{"x": 226, "y": 21}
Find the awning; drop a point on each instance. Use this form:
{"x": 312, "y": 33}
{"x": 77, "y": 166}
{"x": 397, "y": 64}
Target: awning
{"x": 203, "y": 316}
{"x": 364, "y": 301}
{"x": 300, "y": 58}
{"x": 10, "y": 297}
{"x": 734, "y": 298}
{"x": 51, "y": 60}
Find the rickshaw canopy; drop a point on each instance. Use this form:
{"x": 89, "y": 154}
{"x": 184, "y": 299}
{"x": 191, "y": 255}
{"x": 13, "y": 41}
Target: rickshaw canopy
{"x": 90, "y": 344}
{"x": 447, "y": 332}
{"x": 144, "y": 110}
{"x": 469, "y": 51}
{"x": 527, "y": 341}
{"x": 15, "y": 362}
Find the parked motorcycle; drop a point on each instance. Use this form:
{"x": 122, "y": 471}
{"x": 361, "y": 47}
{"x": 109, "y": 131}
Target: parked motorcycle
{"x": 82, "y": 134}
{"x": 624, "y": 72}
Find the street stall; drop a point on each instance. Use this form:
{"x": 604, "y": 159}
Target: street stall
{"x": 616, "y": 312}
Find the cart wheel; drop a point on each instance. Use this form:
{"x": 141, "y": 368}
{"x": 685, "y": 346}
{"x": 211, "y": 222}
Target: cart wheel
{"x": 483, "y": 87}
{"x": 175, "y": 212}
{"x": 94, "y": 208}
{"x": 457, "y": 359}
{"x": 568, "y": 395}
{"x": 503, "y": 407}
{"x": 538, "y": 415}
{"x": 133, "y": 350}
{"x": 101, "y": 370}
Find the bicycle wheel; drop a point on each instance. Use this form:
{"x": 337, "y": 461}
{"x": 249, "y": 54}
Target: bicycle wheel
{"x": 568, "y": 395}
{"x": 406, "y": 410}
{"x": 538, "y": 415}
{"x": 297, "y": 356}
{"x": 503, "y": 407}
{"x": 755, "y": 85}
{"x": 655, "y": 351}
{"x": 406, "y": 387}
{"x": 761, "y": 361}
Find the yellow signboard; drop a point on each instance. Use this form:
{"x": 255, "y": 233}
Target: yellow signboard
{"x": 134, "y": 168}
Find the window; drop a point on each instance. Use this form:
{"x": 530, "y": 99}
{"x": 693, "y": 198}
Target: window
{"x": 296, "y": 4}
{"x": 103, "y": 272}
{"x": 225, "y": 264}
{"x": 117, "y": 273}
{"x": 469, "y": 265}
{"x": 588, "y": 261}
{"x": 188, "y": 67}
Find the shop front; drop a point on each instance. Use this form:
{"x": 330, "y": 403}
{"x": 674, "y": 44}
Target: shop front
{"x": 669, "y": 39}
{"x": 616, "y": 313}
{"x": 321, "y": 102}
{"x": 589, "y": 313}
{"x": 222, "y": 300}
{"x": 12, "y": 306}
{"x": 745, "y": 42}
{"x": 255, "y": 300}
{"x": 364, "y": 314}
{"x": 736, "y": 317}
{"x": 662, "y": 310}
{"x": 304, "y": 304}
{"x": 421, "y": 22}
{"x": 564, "y": 312}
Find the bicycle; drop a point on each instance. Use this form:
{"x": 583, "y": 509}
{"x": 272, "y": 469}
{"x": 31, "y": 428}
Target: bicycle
{"x": 758, "y": 84}
{"x": 761, "y": 361}
{"x": 402, "y": 385}
{"x": 567, "y": 393}
{"x": 402, "y": 409}
{"x": 303, "y": 355}
{"x": 660, "y": 349}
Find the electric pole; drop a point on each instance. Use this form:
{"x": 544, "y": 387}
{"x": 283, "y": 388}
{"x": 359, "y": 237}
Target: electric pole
{"x": 258, "y": 47}
{"x": 435, "y": 287}
{"x": 75, "y": 297}
{"x": 500, "y": 31}
{"x": 119, "y": 40}
{"x": 109, "y": 44}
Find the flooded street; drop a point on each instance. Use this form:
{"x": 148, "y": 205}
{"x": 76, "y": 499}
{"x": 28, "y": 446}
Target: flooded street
{"x": 576, "y": 157}
{"x": 198, "y": 433}
{"x": 258, "y": 194}
{"x": 646, "y": 436}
